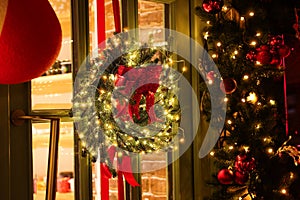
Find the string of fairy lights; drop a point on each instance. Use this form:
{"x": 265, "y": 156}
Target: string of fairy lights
{"x": 99, "y": 113}
{"x": 260, "y": 58}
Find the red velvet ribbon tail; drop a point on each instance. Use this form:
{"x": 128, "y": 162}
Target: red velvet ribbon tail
{"x": 135, "y": 108}
{"x": 116, "y": 10}
{"x": 120, "y": 186}
{"x": 150, "y": 100}
{"x": 130, "y": 179}
{"x": 101, "y": 23}
{"x": 111, "y": 153}
{"x": 126, "y": 169}
{"x": 105, "y": 176}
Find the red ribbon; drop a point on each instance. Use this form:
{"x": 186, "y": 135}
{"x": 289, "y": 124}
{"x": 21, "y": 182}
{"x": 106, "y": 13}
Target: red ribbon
{"x": 120, "y": 186}
{"x": 123, "y": 166}
{"x": 101, "y": 22}
{"x": 124, "y": 171}
{"x": 116, "y": 10}
{"x": 138, "y": 76}
{"x": 105, "y": 176}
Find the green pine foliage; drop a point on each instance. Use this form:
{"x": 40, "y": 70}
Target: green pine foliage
{"x": 255, "y": 126}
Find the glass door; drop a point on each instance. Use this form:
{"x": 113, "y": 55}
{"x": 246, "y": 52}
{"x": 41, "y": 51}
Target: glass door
{"x": 151, "y": 16}
{"x": 51, "y": 94}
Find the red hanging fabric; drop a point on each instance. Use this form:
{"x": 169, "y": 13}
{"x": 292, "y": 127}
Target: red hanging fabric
{"x": 117, "y": 18}
{"x": 120, "y": 186}
{"x": 101, "y": 22}
{"x": 105, "y": 176}
{"x": 124, "y": 170}
{"x": 104, "y": 171}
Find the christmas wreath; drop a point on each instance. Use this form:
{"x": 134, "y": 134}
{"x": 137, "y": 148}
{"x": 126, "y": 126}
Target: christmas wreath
{"x": 131, "y": 108}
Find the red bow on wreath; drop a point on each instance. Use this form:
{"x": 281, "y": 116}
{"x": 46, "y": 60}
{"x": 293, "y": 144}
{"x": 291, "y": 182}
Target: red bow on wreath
{"x": 138, "y": 76}
{"x": 124, "y": 170}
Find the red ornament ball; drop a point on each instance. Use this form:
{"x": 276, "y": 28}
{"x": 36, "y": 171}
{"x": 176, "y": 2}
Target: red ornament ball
{"x": 212, "y": 6}
{"x": 228, "y": 85}
{"x": 264, "y": 57}
{"x": 30, "y": 40}
{"x": 225, "y": 176}
{"x": 241, "y": 177}
{"x": 284, "y": 51}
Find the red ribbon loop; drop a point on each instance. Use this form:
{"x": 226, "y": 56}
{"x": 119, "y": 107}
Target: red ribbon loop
{"x": 138, "y": 76}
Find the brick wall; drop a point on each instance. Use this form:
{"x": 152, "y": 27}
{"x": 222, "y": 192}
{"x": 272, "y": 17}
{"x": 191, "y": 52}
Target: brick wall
{"x": 154, "y": 183}
{"x": 150, "y": 14}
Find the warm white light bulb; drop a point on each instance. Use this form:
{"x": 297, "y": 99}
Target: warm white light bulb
{"x": 253, "y": 43}
{"x": 252, "y": 98}
{"x": 184, "y": 69}
{"x": 272, "y": 102}
{"x": 270, "y": 150}
{"x": 258, "y": 126}
{"x": 246, "y": 77}
{"x": 283, "y": 191}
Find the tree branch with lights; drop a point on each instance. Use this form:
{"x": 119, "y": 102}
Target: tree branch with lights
{"x": 250, "y": 58}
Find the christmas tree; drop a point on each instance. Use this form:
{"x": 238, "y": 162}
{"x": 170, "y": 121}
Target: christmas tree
{"x": 255, "y": 157}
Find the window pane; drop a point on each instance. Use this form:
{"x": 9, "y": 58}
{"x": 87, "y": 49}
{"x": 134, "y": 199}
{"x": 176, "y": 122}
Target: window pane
{"x": 53, "y": 90}
{"x": 65, "y": 176}
{"x": 109, "y": 30}
{"x": 109, "y": 22}
{"x": 151, "y": 17}
{"x": 154, "y": 183}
